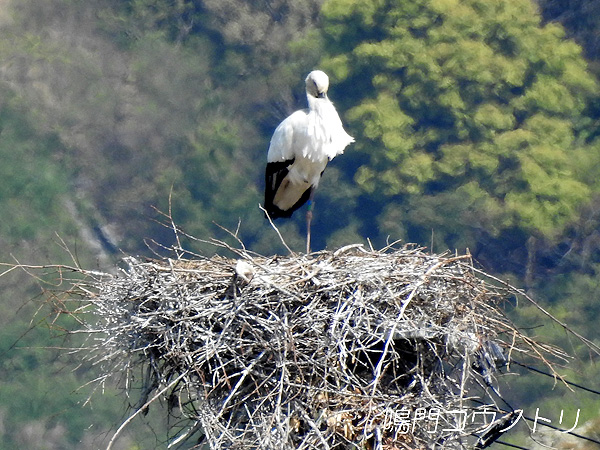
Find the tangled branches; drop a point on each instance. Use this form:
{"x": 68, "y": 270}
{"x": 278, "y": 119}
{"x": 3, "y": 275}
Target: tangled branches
{"x": 349, "y": 349}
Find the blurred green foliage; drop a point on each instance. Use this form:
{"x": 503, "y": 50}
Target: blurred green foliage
{"x": 469, "y": 112}
{"x": 31, "y": 175}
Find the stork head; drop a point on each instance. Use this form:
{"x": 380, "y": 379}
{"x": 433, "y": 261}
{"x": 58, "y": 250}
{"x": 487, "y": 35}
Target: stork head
{"x": 317, "y": 83}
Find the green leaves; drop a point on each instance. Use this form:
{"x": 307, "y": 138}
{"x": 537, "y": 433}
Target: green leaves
{"x": 471, "y": 104}
{"x": 33, "y": 183}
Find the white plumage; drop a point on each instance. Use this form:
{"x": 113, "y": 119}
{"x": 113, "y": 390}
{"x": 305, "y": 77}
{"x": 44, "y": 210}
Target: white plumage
{"x": 300, "y": 148}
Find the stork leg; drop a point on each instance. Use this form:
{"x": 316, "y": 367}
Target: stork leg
{"x": 309, "y": 216}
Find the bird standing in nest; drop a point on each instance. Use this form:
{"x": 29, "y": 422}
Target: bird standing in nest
{"x": 300, "y": 148}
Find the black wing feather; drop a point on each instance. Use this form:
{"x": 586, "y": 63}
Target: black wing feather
{"x": 274, "y": 175}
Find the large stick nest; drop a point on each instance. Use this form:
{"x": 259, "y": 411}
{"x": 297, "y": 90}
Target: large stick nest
{"x": 366, "y": 349}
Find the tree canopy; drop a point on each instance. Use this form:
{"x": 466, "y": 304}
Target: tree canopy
{"x": 580, "y": 18}
{"x": 469, "y": 115}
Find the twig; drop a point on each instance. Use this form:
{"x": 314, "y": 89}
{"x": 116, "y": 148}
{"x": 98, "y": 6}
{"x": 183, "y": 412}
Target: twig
{"x": 142, "y": 408}
{"x": 277, "y": 231}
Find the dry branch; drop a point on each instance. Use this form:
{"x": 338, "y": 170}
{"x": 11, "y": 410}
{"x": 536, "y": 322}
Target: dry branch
{"x": 370, "y": 349}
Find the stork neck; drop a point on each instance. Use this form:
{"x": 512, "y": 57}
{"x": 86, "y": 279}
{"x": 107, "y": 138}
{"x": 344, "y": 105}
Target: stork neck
{"x": 317, "y": 105}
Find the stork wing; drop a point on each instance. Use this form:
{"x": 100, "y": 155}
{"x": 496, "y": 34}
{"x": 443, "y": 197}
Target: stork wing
{"x": 289, "y": 137}
{"x": 274, "y": 175}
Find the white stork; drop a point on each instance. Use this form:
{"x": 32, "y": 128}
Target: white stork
{"x": 300, "y": 148}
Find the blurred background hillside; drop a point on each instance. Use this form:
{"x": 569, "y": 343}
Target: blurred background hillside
{"x": 476, "y": 126}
